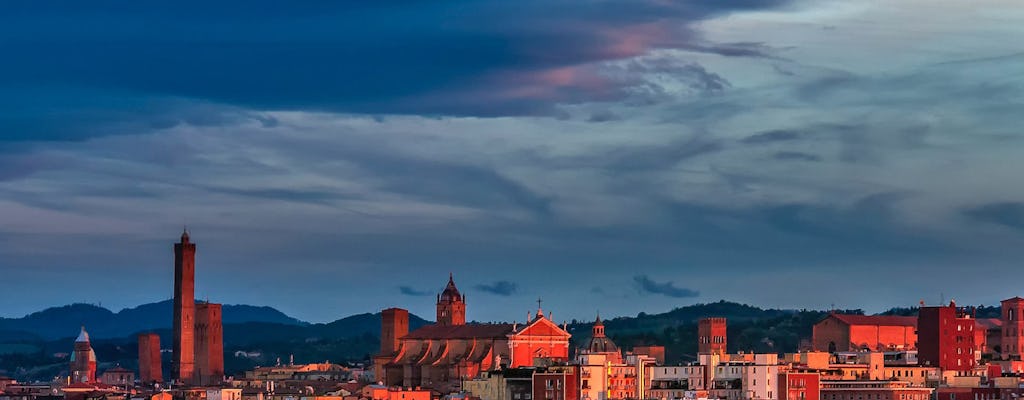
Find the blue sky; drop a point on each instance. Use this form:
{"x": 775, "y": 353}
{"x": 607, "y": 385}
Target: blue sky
{"x": 332, "y": 158}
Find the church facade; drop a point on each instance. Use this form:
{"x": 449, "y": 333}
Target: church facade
{"x": 442, "y": 355}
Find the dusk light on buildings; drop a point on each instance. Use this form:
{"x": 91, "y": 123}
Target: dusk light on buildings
{"x": 511, "y": 200}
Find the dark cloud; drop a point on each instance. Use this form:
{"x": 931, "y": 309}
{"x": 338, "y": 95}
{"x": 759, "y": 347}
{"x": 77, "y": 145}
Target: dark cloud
{"x": 500, "y": 288}
{"x": 410, "y": 291}
{"x": 116, "y": 64}
{"x": 779, "y": 135}
{"x": 796, "y": 156}
{"x": 1008, "y": 214}
{"x": 603, "y": 116}
{"x": 669, "y": 289}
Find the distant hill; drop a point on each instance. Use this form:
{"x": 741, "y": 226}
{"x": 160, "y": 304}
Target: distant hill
{"x": 31, "y": 347}
{"x": 64, "y": 321}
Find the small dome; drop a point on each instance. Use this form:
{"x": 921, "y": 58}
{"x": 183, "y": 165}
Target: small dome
{"x": 601, "y": 344}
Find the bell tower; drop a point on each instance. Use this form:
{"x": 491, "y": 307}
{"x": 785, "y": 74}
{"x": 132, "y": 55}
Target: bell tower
{"x": 451, "y": 305}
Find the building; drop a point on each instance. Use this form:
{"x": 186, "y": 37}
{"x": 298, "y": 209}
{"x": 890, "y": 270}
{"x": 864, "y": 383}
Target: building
{"x": 83, "y": 360}
{"x": 656, "y": 352}
{"x": 150, "y": 367}
{"x": 1011, "y": 344}
{"x": 183, "y": 349}
{"x": 745, "y": 376}
{"x": 209, "y": 345}
{"x": 380, "y": 392}
{"x": 118, "y": 376}
{"x": 874, "y": 390}
{"x": 451, "y": 305}
{"x": 606, "y": 374}
{"x": 711, "y": 336}
{"x": 198, "y": 343}
{"x": 502, "y": 384}
{"x": 799, "y": 386}
{"x": 848, "y": 332}
{"x": 442, "y": 355}
{"x": 560, "y": 382}
{"x": 394, "y": 325}
{"x": 988, "y": 337}
{"x": 678, "y": 382}
{"x": 945, "y": 337}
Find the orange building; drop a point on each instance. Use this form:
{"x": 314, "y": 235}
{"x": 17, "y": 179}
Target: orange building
{"x": 711, "y": 336}
{"x": 442, "y": 355}
{"x": 848, "y": 332}
{"x": 379, "y": 392}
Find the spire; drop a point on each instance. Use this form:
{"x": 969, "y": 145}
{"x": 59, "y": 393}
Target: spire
{"x": 83, "y": 336}
{"x": 184, "y": 234}
{"x": 540, "y": 312}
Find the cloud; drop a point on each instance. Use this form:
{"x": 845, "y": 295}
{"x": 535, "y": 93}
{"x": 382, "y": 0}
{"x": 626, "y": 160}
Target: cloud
{"x": 773, "y": 136}
{"x": 1007, "y": 214}
{"x": 500, "y": 288}
{"x": 410, "y": 291}
{"x": 74, "y": 79}
{"x": 796, "y": 156}
{"x": 663, "y": 288}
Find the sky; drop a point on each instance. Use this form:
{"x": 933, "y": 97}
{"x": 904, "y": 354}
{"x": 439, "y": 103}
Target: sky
{"x": 614, "y": 156}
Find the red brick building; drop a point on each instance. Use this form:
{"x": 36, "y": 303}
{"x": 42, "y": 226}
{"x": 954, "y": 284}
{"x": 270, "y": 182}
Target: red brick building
{"x": 711, "y": 336}
{"x": 799, "y": 386}
{"x": 149, "y": 358}
{"x": 557, "y": 383}
{"x": 1013, "y": 328}
{"x": 846, "y": 332}
{"x": 945, "y": 338}
{"x": 442, "y": 355}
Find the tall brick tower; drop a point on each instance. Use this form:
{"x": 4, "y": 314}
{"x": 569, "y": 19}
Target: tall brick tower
{"x": 1012, "y": 345}
{"x": 182, "y": 365}
{"x": 711, "y": 336}
{"x": 209, "y": 361}
{"x": 149, "y": 358}
{"x": 451, "y": 305}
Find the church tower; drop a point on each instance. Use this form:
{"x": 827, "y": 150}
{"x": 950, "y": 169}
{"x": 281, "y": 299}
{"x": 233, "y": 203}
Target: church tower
{"x": 83, "y": 360}
{"x": 451, "y": 305}
{"x": 183, "y": 358}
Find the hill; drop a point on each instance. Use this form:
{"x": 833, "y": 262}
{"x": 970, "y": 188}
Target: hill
{"x": 59, "y": 322}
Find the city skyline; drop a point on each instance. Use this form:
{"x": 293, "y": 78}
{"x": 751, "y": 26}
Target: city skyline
{"x": 635, "y": 156}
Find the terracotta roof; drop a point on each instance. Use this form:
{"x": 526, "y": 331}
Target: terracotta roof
{"x": 878, "y": 320}
{"x": 990, "y": 323}
{"x": 468, "y": 331}
{"x": 1015, "y": 298}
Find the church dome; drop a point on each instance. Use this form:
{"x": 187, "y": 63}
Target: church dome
{"x": 599, "y": 343}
